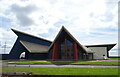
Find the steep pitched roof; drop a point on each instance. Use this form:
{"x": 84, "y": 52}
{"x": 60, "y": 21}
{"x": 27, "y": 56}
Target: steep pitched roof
{"x": 64, "y": 29}
{"x": 20, "y": 32}
{"x": 88, "y": 50}
{"x": 34, "y": 48}
{"x": 109, "y": 46}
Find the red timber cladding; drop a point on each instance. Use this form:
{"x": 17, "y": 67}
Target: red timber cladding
{"x": 55, "y": 51}
{"x": 75, "y": 51}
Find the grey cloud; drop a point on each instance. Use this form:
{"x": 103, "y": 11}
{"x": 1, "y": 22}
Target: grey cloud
{"x": 22, "y": 14}
{"x": 52, "y": 1}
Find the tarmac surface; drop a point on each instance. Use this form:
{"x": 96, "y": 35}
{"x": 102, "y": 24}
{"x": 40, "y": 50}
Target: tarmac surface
{"x": 65, "y": 66}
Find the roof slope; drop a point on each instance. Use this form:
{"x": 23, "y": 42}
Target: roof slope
{"x": 109, "y": 46}
{"x": 63, "y": 28}
{"x": 88, "y": 50}
{"x": 20, "y": 32}
{"x": 34, "y": 48}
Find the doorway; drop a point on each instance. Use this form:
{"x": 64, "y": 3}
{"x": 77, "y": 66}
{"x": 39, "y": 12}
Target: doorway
{"x": 22, "y": 55}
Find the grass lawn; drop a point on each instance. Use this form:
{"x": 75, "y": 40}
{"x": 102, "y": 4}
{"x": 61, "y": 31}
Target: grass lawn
{"x": 76, "y": 63}
{"x": 64, "y": 71}
{"x": 114, "y": 58}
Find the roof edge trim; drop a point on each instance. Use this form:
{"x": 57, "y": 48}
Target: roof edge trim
{"x": 17, "y": 31}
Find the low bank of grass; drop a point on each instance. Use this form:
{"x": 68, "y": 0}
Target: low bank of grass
{"x": 64, "y": 71}
{"x": 72, "y": 63}
{"x": 114, "y": 58}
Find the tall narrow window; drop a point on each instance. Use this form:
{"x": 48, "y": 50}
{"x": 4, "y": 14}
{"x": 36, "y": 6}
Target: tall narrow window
{"x": 66, "y": 49}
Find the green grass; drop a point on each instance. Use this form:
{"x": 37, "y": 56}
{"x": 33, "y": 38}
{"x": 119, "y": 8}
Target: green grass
{"x": 114, "y": 58}
{"x": 34, "y": 62}
{"x": 76, "y": 63}
{"x": 99, "y": 63}
{"x": 64, "y": 71}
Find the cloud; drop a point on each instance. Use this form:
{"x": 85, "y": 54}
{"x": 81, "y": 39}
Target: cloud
{"x": 6, "y": 36}
{"x": 22, "y": 14}
{"x": 5, "y": 21}
{"x": 115, "y": 51}
{"x": 90, "y": 22}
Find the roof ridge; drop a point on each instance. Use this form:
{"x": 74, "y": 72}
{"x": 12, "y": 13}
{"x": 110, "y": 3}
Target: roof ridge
{"x": 63, "y": 28}
{"x": 14, "y": 30}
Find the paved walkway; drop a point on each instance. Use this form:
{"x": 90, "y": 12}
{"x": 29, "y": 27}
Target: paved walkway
{"x": 66, "y": 66}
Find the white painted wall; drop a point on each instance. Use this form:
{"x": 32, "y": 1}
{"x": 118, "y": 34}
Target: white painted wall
{"x": 99, "y": 52}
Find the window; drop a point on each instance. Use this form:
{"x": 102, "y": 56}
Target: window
{"x": 66, "y": 49}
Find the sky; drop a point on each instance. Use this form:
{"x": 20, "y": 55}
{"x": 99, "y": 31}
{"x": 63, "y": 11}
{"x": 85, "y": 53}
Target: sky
{"x": 89, "y": 21}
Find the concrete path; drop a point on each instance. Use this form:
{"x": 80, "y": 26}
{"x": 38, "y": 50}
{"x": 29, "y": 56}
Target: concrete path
{"x": 66, "y": 66}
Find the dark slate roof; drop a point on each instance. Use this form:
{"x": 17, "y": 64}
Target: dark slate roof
{"x": 34, "y": 48}
{"x": 20, "y": 32}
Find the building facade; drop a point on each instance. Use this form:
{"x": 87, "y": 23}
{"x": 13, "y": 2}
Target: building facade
{"x": 64, "y": 47}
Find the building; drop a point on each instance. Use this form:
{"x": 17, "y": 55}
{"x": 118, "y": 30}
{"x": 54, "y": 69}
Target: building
{"x": 64, "y": 47}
